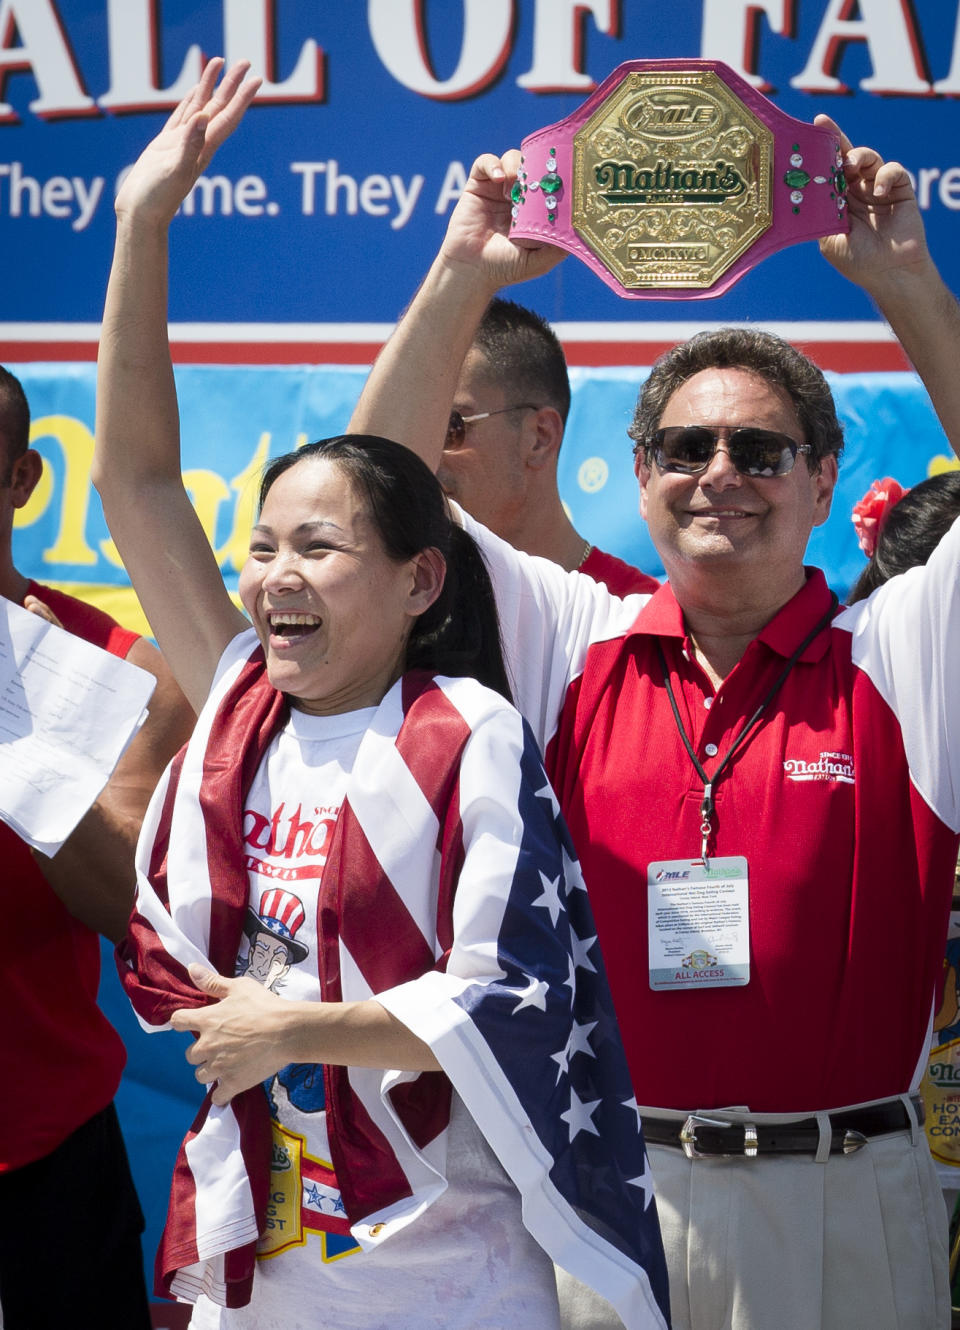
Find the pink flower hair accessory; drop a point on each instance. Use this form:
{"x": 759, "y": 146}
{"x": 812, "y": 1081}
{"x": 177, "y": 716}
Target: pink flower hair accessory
{"x": 870, "y": 513}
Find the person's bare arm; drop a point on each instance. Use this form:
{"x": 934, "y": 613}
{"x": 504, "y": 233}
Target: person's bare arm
{"x": 137, "y": 458}
{"x": 409, "y": 392}
{"x": 248, "y": 1034}
{"x": 93, "y": 872}
{"x": 886, "y": 253}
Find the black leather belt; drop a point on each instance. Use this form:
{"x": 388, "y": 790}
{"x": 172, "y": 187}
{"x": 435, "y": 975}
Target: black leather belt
{"x": 702, "y": 1136}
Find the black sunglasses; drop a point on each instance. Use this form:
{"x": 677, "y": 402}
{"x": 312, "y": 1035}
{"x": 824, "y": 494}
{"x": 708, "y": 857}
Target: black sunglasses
{"x": 457, "y": 428}
{"x": 689, "y": 449}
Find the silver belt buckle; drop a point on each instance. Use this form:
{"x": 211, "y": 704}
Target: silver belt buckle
{"x": 688, "y": 1138}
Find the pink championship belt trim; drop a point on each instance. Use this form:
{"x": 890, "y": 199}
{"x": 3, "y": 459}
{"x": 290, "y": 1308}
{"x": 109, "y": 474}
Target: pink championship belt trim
{"x": 676, "y": 177}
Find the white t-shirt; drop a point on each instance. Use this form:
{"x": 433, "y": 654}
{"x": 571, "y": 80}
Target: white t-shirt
{"x": 467, "y": 1263}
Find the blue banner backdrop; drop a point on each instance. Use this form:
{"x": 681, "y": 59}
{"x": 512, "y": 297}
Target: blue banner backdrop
{"x": 326, "y": 205}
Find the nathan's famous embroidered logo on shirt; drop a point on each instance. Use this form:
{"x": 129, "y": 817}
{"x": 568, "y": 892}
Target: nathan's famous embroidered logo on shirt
{"x": 828, "y": 766}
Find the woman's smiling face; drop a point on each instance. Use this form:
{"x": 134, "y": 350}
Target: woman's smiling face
{"x": 331, "y": 608}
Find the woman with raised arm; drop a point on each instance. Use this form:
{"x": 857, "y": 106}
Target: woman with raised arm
{"x": 354, "y": 886}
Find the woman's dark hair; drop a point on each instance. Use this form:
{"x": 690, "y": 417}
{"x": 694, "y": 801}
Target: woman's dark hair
{"x": 460, "y": 633}
{"x": 912, "y": 531}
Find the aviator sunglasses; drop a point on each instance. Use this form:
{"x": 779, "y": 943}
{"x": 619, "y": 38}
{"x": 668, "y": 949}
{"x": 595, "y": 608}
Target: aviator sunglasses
{"x": 457, "y": 428}
{"x": 689, "y": 449}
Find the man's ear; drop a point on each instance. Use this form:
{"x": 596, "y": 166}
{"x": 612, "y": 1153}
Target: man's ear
{"x": 825, "y": 481}
{"x": 545, "y": 436}
{"x": 641, "y": 469}
{"x": 25, "y": 475}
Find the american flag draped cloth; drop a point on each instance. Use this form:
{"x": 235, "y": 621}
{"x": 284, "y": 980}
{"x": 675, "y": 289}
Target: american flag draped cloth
{"x": 452, "y": 893}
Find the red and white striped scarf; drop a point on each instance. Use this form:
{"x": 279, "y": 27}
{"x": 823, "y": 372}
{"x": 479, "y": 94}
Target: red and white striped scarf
{"x": 452, "y": 894}
{"x": 364, "y": 918}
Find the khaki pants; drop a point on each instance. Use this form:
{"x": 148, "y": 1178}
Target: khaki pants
{"x": 856, "y": 1242}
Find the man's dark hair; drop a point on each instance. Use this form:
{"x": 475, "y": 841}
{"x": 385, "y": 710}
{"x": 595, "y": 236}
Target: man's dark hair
{"x": 524, "y": 355}
{"x": 14, "y": 423}
{"x": 913, "y": 529}
{"x": 760, "y": 353}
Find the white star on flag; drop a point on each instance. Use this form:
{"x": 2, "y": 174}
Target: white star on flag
{"x": 644, "y": 1182}
{"x": 578, "y": 1115}
{"x": 580, "y": 946}
{"x": 547, "y": 793}
{"x": 550, "y": 898}
{"x": 534, "y": 995}
{"x": 634, "y": 1108}
{"x": 579, "y": 1041}
{"x": 572, "y": 872}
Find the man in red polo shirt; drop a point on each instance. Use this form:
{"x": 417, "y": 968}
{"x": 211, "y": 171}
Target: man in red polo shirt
{"x": 70, "y": 1220}
{"x": 764, "y": 790}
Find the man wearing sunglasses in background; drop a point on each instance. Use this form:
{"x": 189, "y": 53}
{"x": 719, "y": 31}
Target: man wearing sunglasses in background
{"x": 503, "y": 440}
{"x": 764, "y": 790}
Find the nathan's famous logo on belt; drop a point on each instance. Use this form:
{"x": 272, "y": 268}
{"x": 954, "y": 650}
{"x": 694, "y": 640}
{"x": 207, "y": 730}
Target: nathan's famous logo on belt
{"x": 622, "y": 182}
{"x": 672, "y": 179}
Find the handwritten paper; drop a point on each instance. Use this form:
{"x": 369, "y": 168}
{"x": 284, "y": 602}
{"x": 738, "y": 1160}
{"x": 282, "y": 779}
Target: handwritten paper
{"x": 68, "y": 710}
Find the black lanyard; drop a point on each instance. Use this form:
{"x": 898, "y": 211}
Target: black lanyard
{"x": 710, "y": 783}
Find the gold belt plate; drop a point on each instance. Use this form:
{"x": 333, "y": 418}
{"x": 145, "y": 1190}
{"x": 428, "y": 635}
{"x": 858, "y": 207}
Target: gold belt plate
{"x": 672, "y": 180}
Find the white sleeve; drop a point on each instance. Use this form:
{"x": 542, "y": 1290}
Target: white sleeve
{"x": 906, "y": 637}
{"x": 548, "y": 619}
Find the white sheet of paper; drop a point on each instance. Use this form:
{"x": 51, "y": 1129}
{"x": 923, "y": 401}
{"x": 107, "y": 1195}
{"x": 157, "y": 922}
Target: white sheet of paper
{"x": 68, "y": 710}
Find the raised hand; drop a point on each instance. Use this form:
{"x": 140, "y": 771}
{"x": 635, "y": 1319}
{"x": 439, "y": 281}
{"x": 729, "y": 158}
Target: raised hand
{"x": 886, "y": 237}
{"x": 478, "y": 232}
{"x": 170, "y": 165}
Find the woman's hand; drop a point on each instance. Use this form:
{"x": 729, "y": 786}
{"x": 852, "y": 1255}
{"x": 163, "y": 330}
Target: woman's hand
{"x": 239, "y": 1039}
{"x": 170, "y": 165}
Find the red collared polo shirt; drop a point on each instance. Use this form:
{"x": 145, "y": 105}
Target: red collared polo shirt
{"x": 845, "y": 803}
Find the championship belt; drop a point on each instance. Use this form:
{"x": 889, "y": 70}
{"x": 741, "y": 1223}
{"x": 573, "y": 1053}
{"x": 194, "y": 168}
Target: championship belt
{"x": 675, "y": 177}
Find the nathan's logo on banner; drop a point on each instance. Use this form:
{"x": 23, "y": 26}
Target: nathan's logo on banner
{"x": 624, "y": 182}
{"x": 64, "y": 496}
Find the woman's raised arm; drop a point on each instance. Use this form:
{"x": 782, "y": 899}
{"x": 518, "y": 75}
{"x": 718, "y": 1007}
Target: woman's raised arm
{"x": 137, "y": 458}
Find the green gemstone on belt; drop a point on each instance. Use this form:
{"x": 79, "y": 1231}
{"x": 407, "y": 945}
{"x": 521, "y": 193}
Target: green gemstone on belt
{"x": 516, "y": 194}
{"x": 796, "y": 179}
{"x": 550, "y": 183}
